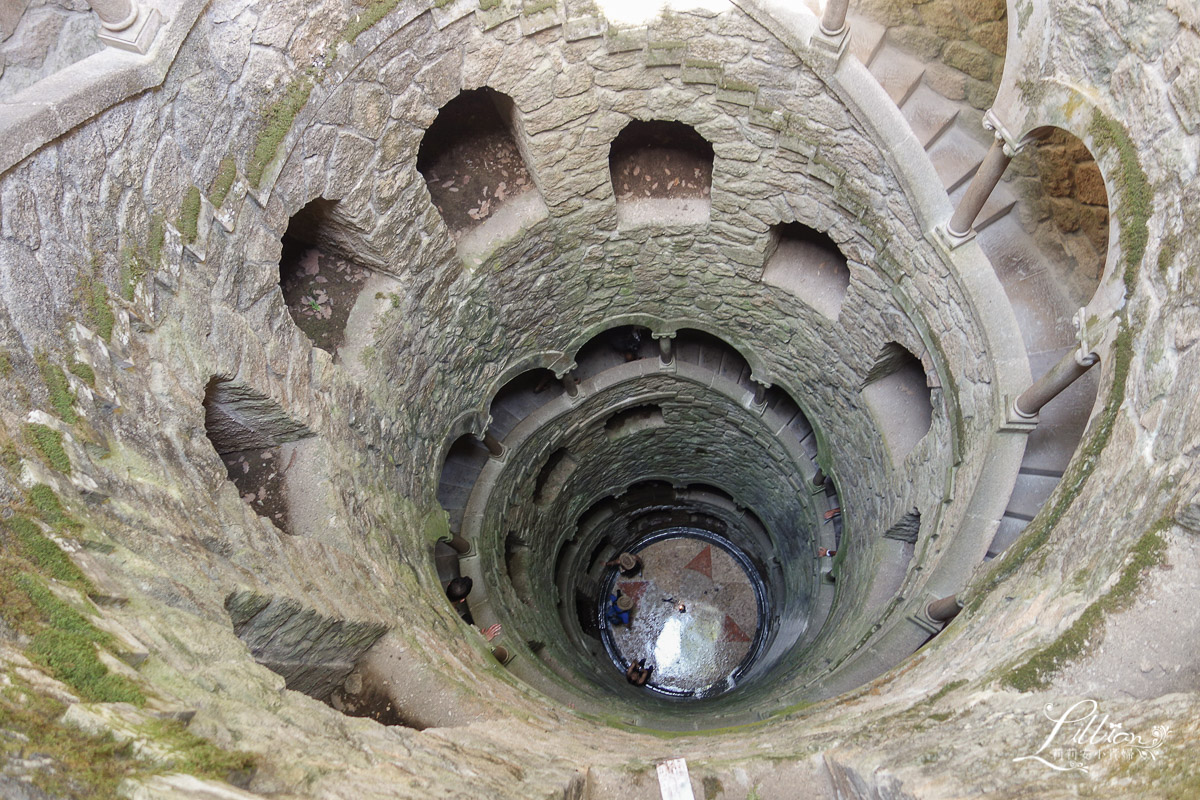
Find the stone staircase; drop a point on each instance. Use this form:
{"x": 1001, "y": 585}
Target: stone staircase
{"x": 953, "y": 136}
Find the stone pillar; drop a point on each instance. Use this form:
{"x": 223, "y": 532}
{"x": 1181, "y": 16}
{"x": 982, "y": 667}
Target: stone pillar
{"x": 833, "y": 21}
{"x": 493, "y": 444}
{"x": 819, "y": 478}
{"x": 760, "y": 393}
{"x": 126, "y": 24}
{"x": 666, "y": 349}
{"x": 460, "y": 545}
{"x": 945, "y": 609}
{"x": 959, "y": 229}
{"x": 1068, "y": 370}
{"x": 985, "y": 180}
{"x": 570, "y": 384}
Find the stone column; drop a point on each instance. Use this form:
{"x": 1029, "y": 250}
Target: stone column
{"x": 958, "y": 229}
{"x": 1068, "y": 370}
{"x": 833, "y": 21}
{"x": 126, "y": 24}
{"x": 666, "y": 348}
{"x": 760, "y": 393}
{"x": 985, "y": 180}
{"x": 570, "y": 384}
{"x": 493, "y": 444}
{"x": 819, "y": 478}
{"x": 460, "y": 545}
{"x": 945, "y": 609}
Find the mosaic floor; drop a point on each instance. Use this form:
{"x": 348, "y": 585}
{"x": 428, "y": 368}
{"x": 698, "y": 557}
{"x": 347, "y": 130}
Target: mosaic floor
{"x": 695, "y": 615}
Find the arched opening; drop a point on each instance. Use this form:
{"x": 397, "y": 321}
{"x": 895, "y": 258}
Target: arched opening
{"x": 662, "y": 173}
{"x": 471, "y": 160}
{"x": 632, "y": 420}
{"x": 808, "y": 264}
{"x": 520, "y": 397}
{"x": 897, "y": 392}
{"x": 253, "y": 437}
{"x": 464, "y": 461}
{"x": 618, "y": 345}
{"x": 320, "y": 283}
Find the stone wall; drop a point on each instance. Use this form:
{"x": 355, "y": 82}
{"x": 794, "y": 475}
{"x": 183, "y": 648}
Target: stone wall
{"x": 41, "y": 37}
{"x": 962, "y": 42}
{"x": 160, "y": 286}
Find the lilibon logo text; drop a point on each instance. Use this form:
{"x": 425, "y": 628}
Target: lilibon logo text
{"x": 1081, "y": 735}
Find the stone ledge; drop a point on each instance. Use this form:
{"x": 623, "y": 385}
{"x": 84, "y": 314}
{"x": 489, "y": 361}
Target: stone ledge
{"x": 41, "y": 113}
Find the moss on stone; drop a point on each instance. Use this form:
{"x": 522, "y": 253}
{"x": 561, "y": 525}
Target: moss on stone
{"x": 82, "y": 765}
{"x": 6, "y": 366}
{"x": 154, "y": 244}
{"x": 43, "y": 498}
{"x": 45, "y": 554}
{"x": 189, "y": 216}
{"x": 94, "y": 307}
{"x": 1088, "y": 630}
{"x": 49, "y": 443}
{"x": 10, "y": 457}
{"x": 223, "y": 182}
{"x": 1135, "y": 200}
{"x": 64, "y": 643}
{"x": 83, "y": 372}
{"x": 61, "y": 399}
{"x": 537, "y": 6}
{"x": 1073, "y": 481}
{"x": 373, "y": 11}
{"x": 942, "y": 692}
{"x": 277, "y": 121}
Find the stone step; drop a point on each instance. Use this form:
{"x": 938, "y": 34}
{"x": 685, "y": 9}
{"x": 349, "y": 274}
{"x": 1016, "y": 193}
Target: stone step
{"x": 1030, "y": 493}
{"x": 1008, "y": 531}
{"x": 866, "y": 37}
{"x": 929, "y": 114}
{"x": 898, "y": 72}
{"x": 956, "y": 155}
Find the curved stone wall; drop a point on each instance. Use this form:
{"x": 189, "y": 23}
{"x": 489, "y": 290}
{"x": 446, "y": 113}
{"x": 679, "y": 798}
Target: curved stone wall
{"x": 125, "y": 248}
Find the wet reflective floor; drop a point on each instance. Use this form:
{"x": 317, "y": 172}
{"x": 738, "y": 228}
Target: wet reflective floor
{"x": 694, "y": 619}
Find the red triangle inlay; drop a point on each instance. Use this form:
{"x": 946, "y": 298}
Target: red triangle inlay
{"x": 702, "y": 563}
{"x": 634, "y": 589}
{"x": 732, "y": 632}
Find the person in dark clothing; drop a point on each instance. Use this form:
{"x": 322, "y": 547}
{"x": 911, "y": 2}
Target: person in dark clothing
{"x": 638, "y": 673}
{"x": 627, "y": 340}
{"x": 457, "y": 591}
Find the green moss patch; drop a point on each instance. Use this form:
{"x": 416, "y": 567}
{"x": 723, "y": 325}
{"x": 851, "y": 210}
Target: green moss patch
{"x": 93, "y": 306}
{"x": 197, "y": 756}
{"x": 223, "y": 182}
{"x": 55, "y": 379}
{"x": 372, "y": 12}
{"x": 49, "y": 443}
{"x": 43, "y": 498}
{"x": 83, "y": 372}
{"x": 1088, "y": 630}
{"x": 1135, "y": 200}
{"x": 189, "y": 216}
{"x": 277, "y": 121}
{"x": 63, "y": 641}
{"x": 83, "y": 766}
{"x": 44, "y": 554}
